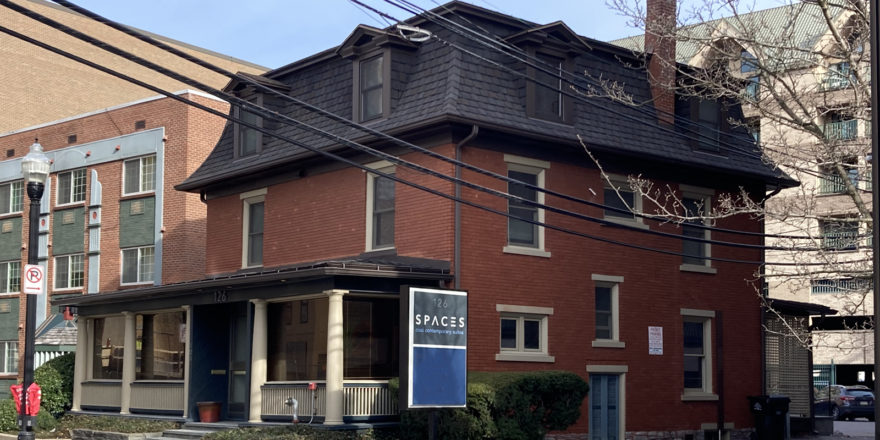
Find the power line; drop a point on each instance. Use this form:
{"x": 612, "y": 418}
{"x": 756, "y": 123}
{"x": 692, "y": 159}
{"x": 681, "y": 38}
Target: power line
{"x": 323, "y": 112}
{"x": 357, "y": 165}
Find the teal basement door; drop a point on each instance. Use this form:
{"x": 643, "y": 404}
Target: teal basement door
{"x": 604, "y": 407}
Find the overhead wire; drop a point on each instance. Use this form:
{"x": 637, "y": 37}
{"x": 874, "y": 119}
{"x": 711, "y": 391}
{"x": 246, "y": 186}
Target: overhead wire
{"x": 355, "y": 164}
{"x": 351, "y": 123}
{"x": 379, "y": 154}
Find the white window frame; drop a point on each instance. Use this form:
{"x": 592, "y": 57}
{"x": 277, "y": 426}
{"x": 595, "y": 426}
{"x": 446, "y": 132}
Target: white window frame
{"x": 612, "y": 282}
{"x": 140, "y": 175}
{"x": 705, "y": 317}
{"x": 706, "y": 195}
{"x": 383, "y": 167}
{"x": 621, "y": 371}
{"x": 521, "y": 314}
{"x": 9, "y": 277}
{"x": 122, "y": 266}
{"x": 69, "y": 273}
{"x": 72, "y": 187}
{"x": 621, "y": 183}
{"x": 538, "y": 168}
{"x": 11, "y": 189}
{"x": 4, "y": 345}
{"x": 249, "y": 198}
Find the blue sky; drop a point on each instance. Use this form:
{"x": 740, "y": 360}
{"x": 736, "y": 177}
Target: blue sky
{"x": 264, "y": 31}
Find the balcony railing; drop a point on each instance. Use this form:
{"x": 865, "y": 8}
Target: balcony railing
{"x": 834, "y": 80}
{"x": 832, "y": 184}
{"x": 841, "y": 240}
{"x": 751, "y": 91}
{"x": 842, "y": 131}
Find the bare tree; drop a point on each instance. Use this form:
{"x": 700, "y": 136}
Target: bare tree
{"x": 801, "y": 75}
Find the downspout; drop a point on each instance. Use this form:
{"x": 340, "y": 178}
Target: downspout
{"x": 457, "y": 251}
{"x": 203, "y": 197}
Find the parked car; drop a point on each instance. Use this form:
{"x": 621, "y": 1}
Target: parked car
{"x": 844, "y": 402}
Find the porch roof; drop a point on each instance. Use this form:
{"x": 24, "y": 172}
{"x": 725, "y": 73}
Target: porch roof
{"x": 377, "y": 267}
{"x": 796, "y": 308}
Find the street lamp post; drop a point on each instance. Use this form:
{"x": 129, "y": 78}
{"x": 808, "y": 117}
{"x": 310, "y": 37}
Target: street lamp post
{"x": 35, "y": 169}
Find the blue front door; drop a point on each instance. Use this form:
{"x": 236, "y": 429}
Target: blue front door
{"x": 604, "y": 407}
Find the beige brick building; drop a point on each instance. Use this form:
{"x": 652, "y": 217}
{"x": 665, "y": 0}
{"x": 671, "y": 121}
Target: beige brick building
{"x": 39, "y": 86}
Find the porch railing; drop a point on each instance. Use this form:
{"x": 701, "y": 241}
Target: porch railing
{"x": 164, "y": 396}
{"x": 360, "y": 399}
{"x": 101, "y": 394}
{"x": 274, "y": 396}
{"x": 369, "y": 400}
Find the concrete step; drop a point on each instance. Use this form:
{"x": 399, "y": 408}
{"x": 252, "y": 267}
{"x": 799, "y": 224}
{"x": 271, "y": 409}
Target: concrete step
{"x": 211, "y": 427}
{"x": 184, "y": 434}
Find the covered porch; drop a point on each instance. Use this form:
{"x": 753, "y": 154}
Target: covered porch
{"x": 251, "y": 341}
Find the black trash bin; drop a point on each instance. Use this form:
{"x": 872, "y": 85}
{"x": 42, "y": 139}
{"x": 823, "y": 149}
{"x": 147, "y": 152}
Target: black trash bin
{"x": 770, "y": 412}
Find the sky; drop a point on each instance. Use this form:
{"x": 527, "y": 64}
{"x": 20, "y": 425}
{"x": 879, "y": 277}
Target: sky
{"x": 273, "y": 33}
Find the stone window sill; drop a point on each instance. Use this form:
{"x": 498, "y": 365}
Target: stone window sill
{"x": 532, "y": 252}
{"x": 698, "y": 269}
{"x": 608, "y": 343}
{"x": 625, "y": 222}
{"x": 524, "y": 357}
{"x": 698, "y": 397}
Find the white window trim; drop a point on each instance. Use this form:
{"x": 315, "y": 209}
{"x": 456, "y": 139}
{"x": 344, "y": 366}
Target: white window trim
{"x": 706, "y": 195}
{"x": 23, "y": 196}
{"x": 4, "y": 346}
{"x": 621, "y": 183}
{"x": 8, "y": 278}
{"x": 383, "y": 167}
{"x": 140, "y": 171}
{"x": 522, "y": 313}
{"x": 538, "y": 168}
{"x": 621, "y": 371}
{"x": 245, "y": 227}
{"x": 58, "y": 189}
{"x": 122, "y": 262}
{"x": 704, "y": 394}
{"x": 69, "y": 272}
{"x": 612, "y": 282}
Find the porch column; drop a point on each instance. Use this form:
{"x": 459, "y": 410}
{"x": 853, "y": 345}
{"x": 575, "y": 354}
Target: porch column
{"x": 79, "y": 366}
{"x": 259, "y": 351}
{"x": 335, "y": 372}
{"x": 186, "y": 359}
{"x": 129, "y": 359}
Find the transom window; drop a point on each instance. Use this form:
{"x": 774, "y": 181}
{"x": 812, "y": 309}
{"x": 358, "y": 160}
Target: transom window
{"x": 69, "y": 272}
{"x": 9, "y": 357}
{"x": 371, "y": 84}
{"x": 12, "y": 197}
{"x": 138, "y": 265}
{"x": 71, "y": 187}
{"x": 10, "y": 277}
{"x": 139, "y": 175}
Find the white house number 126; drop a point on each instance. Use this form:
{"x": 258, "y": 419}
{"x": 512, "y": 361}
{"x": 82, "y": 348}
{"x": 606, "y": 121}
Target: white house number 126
{"x": 438, "y": 302}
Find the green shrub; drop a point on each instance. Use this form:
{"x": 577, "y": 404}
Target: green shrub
{"x": 126, "y": 425}
{"x": 515, "y": 406}
{"x": 53, "y": 401}
{"x": 64, "y": 365}
{"x": 46, "y": 422}
{"x": 8, "y": 416}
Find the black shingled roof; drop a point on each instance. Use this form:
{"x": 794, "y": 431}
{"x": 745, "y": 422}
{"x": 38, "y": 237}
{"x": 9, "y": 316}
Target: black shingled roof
{"x": 437, "y": 83}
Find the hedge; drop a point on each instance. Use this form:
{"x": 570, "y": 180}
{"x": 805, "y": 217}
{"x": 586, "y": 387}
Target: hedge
{"x": 9, "y": 418}
{"x": 514, "y": 406}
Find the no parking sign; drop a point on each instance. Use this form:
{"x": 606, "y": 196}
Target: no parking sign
{"x": 33, "y": 279}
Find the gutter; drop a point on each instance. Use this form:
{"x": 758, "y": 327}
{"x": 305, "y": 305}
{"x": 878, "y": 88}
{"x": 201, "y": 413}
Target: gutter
{"x": 475, "y": 130}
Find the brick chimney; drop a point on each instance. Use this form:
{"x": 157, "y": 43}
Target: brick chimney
{"x": 660, "y": 23}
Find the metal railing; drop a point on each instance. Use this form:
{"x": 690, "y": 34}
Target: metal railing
{"x": 841, "y": 131}
{"x": 832, "y": 184}
{"x": 752, "y": 91}
{"x": 834, "y": 80}
{"x": 841, "y": 239}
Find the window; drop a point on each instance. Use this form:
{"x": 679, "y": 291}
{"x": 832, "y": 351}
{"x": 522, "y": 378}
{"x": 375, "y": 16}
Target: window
{"x": 618, "y": 194}
{"x": 10, "y": 277}
{"x": 709, "y": 119}
{"x": 604, "y": 313}
{"x": 9, "y": 360}
{"x": 607, "y": 311}
{"x": 371, "y": 332}
{"x": 523, "y": 333}
{"x": 297, "y": 349}
{"x": 752, "y": 91}
{"x": 139, "y": 175}
{"x": 697, "y": 204}
{"x": 754, "y": 127}
{"x": 71, "y": 187}
{"x": 252, "y": 250}
{"x": 69, "y": 272}
{"x": 697, "y": 341}
{"x": 841, "y": 235}
{"x": 161, "y": 346}
{"x": 381, "y": 202}
{"x": 524, "y": 237}
{"x": 248, "y": 141}
{"x": 108, "y": 347}
{"x": 748, "y": 62}
{"x": 371, "y": 88}
{"x": 137, "y": 265}
{"x": 548, "y": 100}
{"x": 12, "y": 197}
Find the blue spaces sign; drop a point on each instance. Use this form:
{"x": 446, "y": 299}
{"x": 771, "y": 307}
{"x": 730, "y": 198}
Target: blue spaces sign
{"x": 433, "y": 371}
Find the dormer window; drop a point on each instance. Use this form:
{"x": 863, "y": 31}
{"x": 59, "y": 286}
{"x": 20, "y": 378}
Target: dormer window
{"x": 545, "y": 99}
{"x": 711, "y": 118}
{"x": 248, "y": 141}
{"x": 371, "y": 82}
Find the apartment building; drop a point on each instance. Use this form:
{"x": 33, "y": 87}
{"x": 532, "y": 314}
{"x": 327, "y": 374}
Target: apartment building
{"x": 305, "y": 256}
{"x": 110, "y": 219}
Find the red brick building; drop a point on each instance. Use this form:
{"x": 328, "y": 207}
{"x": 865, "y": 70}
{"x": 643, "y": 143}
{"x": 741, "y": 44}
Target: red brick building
{"x": 110, "y": 195}
{"x": 305, "y": 256}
